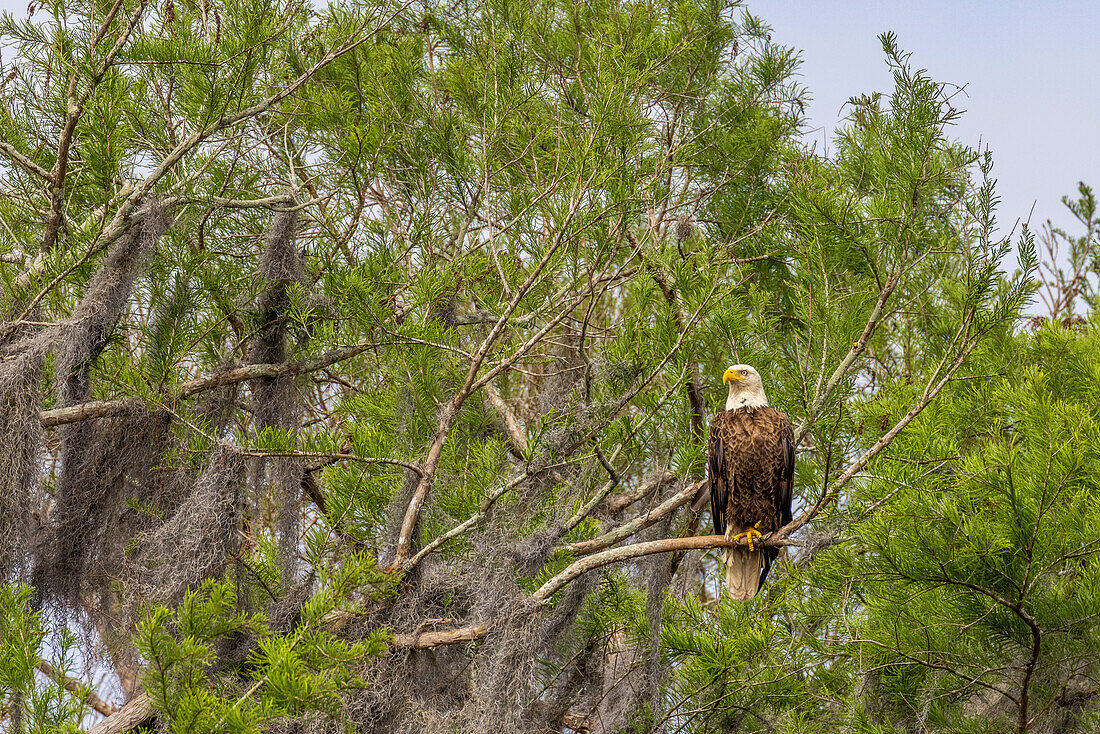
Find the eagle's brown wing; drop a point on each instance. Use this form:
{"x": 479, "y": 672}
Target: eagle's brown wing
{"x": 719, "y": 470}
{"x": 783, "y": 480}
{"x": 785, "y": 494}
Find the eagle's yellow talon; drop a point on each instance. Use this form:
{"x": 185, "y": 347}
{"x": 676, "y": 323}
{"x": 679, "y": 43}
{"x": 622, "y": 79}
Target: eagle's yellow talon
{"x": 749, "y": 535}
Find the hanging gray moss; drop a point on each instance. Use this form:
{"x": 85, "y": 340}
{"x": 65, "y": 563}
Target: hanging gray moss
{"x": 20, "y": 437}
{"x": 404, "y": 408}
{"x": 497, "y": 684}
{"x": 115, "y": 487}
{"x": 658, "y": 574}
{"x": 80, "y": 339}
{"x": 275, "y": 399}
{"x": 100, "y": 456}
{"x": 76, "y": 342}
{"x": 194, "y": 543}
{"x": 279, "y": 268}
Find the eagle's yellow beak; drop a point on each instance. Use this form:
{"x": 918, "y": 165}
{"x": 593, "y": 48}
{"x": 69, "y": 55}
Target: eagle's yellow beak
{"x": 731, "y": 374}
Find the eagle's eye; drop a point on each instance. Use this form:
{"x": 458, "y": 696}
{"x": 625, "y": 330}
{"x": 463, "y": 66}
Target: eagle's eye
{"x": 745, "y": 373}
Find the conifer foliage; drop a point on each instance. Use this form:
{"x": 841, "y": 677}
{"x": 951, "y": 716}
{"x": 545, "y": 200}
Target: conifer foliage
{"x": 357, "y": 363}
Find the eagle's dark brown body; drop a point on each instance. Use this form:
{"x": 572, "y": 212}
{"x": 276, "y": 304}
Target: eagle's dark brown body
{"x": 751, "y": 464}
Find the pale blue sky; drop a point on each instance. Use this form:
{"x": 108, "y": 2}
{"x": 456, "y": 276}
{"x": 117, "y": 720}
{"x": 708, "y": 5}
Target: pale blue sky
{"x": 1030, "y": 69}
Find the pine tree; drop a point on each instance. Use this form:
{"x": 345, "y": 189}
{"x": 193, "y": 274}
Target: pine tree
{"x": 358, "y": 364}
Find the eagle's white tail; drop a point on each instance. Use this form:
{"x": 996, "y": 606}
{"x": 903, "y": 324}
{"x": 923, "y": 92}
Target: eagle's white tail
{"x": 742, "y": 570}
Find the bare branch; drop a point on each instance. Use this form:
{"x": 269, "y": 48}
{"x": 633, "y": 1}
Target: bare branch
{"x": 854, "y": 353}
{"x": 685, "y": 495}
{"x": 334, "y": 457}
{"x": 83, "y": 692}
{"x": 641, "y": 522}
{"x": 133, "y": 714}
{"x": 517, "y": 439}
{"x": 637, "y": 550}
{"x": 102, "y": 408}
{"x": 435, "y": 638}
{"x": 571, "y": 572}
{"x": 26, "y": 163}
{"x": 660, "y": 479}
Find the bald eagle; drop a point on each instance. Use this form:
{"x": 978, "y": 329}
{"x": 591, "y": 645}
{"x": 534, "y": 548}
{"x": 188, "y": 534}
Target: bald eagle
{"x": 750, "y": 458}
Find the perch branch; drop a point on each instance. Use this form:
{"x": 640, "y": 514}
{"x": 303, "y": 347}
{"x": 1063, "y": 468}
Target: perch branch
{"x": 572, "y": 571}
{"x": 637, "y": 550}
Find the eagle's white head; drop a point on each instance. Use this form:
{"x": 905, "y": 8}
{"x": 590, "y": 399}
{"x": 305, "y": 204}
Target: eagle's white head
{"x": 746, "y": 388}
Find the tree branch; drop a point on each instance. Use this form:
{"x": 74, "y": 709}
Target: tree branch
{"x": 83, "y": 692}
{"x": 572, "y": 571}
{"x": 854, "y": 353}
{"x": 26, "y": 163}
{"x": 133, "y": 714}
{"x": 660, "y": 479}
{"x": 121, "y": 221}
{"x": 517, "y": 439}
{"x": 102, "y": 408}
{"x": 635, "y": 550}
{"x": 641, "y": 522}
{"x": 435, "y": 638}
{"x": 858, "y": 465}
{"x": 75, "y": 109}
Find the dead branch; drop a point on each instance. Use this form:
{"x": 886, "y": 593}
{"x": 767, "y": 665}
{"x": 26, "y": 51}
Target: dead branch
{"x": 646, "y": 488}
{"x": 133, "y": 714}
{"x": 102, "y": 408}
{"x": 517, "y": 439}
{"x": 435, "y": 638}
{"x": 641, "y": 522}
{"x": 83, "y": 692}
